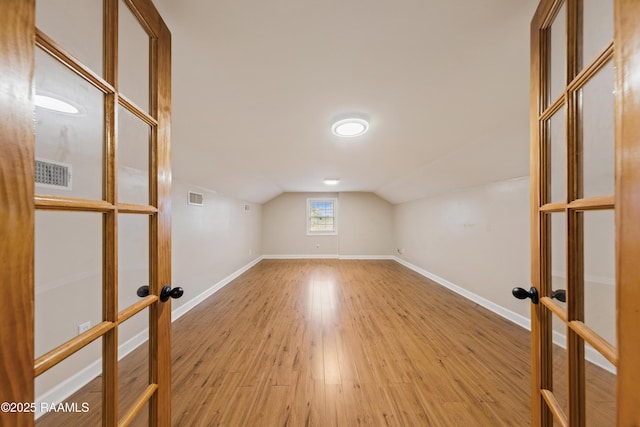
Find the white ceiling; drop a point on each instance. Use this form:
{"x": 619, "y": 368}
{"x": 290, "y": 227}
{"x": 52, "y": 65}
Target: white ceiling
{"x": 256, "y": 85}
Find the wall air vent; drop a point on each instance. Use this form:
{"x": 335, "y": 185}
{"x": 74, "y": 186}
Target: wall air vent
{"x": 52, "y": 174}
{"x": 196, "y": 199}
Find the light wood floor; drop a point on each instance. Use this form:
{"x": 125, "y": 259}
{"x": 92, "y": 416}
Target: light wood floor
{"x": 328, "y": 342}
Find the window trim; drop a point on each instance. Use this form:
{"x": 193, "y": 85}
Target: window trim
{"x": 334, "y": 232}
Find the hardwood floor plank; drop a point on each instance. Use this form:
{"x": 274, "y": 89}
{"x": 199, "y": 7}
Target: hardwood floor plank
{"x": 407, "y": 405}
{"x": 336, "y": 412}
{"x": 330, "y": 358}
{"x": 345, "y": 357}
{"x": 308, "y": 402}
{"x": 348, "y": 342}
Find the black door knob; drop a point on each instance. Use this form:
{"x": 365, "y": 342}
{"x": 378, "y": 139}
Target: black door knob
{"x": 560, "y": 295}
{"x": 167, "y": 293}
{"x": 524, "y": 294}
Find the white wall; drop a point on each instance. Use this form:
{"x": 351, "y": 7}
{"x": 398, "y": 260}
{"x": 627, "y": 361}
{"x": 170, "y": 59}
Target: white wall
{"x": 284, "y": 227}
{"x": 364, "y": 222}
{"x": 366, "y": 225}
{"x": 210, "y": 242}
{"x": 477, "y": 239}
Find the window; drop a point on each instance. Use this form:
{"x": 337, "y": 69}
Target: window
{"x": 321, "y": 216}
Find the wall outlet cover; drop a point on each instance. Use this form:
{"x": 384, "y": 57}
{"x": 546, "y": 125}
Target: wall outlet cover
{"x": 84, "y": 327}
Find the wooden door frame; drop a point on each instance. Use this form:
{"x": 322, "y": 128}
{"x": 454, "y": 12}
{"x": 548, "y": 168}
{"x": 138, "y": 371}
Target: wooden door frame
{"x": 627, "y": 211}
{"x": 17, "y": 207}
{"x": 539, "y": 325}
{"x": 160, "y": 372}
{"x": 17, "y": 33}
{"x": 627, "y": 130}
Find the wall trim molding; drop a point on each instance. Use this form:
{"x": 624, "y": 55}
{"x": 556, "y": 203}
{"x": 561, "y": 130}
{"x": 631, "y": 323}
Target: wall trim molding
{"x": 591, "y": 354}
{"x": 74, "y": 383}
{"x": 308, "y": 256}
{"x": 367, "y": 257}
{"x": 516, "y": 318}
{"x": 329, "y": 256}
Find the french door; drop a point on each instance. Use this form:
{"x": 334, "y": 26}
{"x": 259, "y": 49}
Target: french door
{"x": 585, "y": 219}
{"x": 85, "y": 212}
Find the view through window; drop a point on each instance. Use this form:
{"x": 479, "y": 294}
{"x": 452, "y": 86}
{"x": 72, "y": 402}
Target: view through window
{"x": 321, "y": 216}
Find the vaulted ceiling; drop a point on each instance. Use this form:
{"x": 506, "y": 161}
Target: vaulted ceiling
{"x": 256, "y": 85}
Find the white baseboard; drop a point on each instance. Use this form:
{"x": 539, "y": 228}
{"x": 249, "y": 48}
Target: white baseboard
{"x": 329, "y": 256}
{"x": 74, "y": 383}
{"x": 369, "y": 257}
{"x": 311, "y": 256}
{"x": 591, "y": 354}
{"x": 498, "y": 309}
{"x": 183, "y": 309}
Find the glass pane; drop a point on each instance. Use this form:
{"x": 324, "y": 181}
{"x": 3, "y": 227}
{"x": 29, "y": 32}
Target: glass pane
{"x": 598, "y": 134}
{"x": 557, "y": 157}
{"x": 558, "y": 55}
{"x": 560, "y": 366}
{"x": 133, "y": 367}
{"x": 597, "y": 30}
{"x": 69, "y": 131}
{"x": 558, "y": 253}
{"x": 600, "y": 273}
{"x": 133, "y": 257}
{"x": 76, "y": 25}
{"x": 133, "y": 158}
{"x": 133, "y": 58}
{"x": 68, "y": 276}
{"x": 600, "y": 396}
{"x": 75, "y": 382}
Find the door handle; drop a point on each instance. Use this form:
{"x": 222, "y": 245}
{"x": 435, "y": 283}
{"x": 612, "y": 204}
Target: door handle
{"x": 560, "y": 295}
{"x": 165, "y": 294}
{"x": 521, "y": 293}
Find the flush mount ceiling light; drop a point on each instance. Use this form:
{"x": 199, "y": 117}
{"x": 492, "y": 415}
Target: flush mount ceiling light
{"x": 331, "y": 181}
{"x": 350, "y": 127}
{"x": 55, "y": 104}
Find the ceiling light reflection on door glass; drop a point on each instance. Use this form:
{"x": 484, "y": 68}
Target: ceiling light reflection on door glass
{"x": 55, "y": 104}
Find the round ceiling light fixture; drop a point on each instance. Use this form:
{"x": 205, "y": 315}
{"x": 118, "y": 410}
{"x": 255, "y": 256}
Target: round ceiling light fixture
{"x": 350, "y": 127}
{"x": 55, "y": 104}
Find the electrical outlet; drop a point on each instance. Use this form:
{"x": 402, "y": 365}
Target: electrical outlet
{"x": 84, "y": 327}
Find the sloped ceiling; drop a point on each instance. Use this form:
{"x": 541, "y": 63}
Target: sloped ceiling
{"x": 257, "y": 84}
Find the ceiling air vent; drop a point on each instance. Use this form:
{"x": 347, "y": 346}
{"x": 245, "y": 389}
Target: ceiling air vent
{"x": 196, "y": 199}
{"x": 52, "y": 174}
